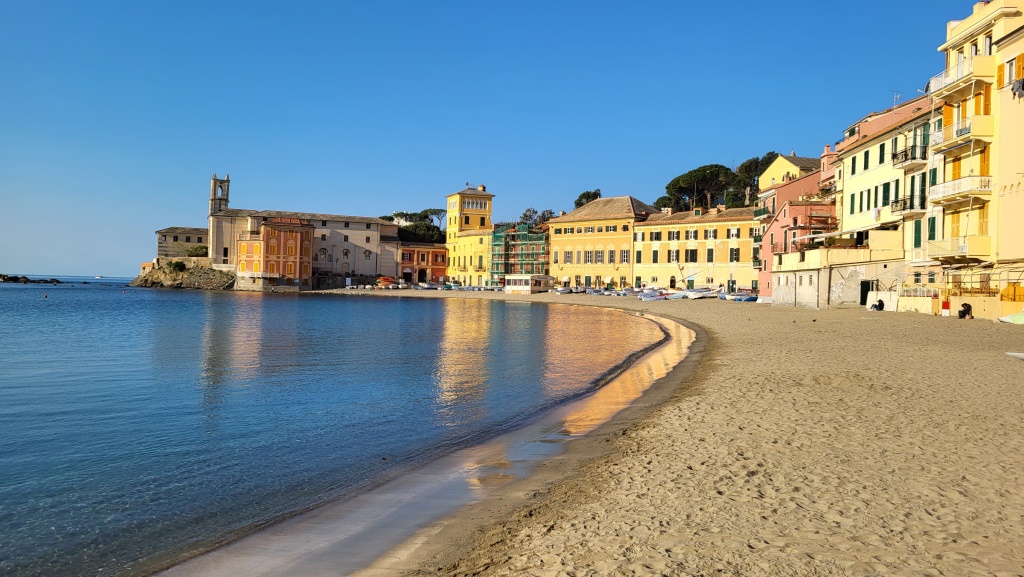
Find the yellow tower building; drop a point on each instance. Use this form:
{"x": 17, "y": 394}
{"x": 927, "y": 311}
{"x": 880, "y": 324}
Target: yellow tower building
{"x": 468, "y": 236}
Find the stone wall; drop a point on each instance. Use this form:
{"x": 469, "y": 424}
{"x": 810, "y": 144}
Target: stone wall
{"x": 198, "y": 274}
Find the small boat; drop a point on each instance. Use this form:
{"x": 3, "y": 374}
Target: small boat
{"x": 97, "y": 277}
{"x": 653, "y": 296}
{"x": 743, "y": 297}
{"x": 676, "y": 295}
{"x": 701, "y": 293}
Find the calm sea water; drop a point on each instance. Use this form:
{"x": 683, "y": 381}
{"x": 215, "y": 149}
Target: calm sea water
{"x": 139, "y": 424}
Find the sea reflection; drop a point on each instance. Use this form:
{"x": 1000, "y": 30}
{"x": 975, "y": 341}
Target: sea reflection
{"x": 460, "y": 370}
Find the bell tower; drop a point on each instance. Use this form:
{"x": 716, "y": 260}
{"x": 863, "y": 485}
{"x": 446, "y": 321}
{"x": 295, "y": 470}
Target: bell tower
{"x": 219, "y": 193}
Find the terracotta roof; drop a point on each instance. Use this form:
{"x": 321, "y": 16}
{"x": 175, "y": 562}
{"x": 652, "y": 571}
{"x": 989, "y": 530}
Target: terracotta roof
{"x": 473, "y": 191}
{"x": 804, "y": 162}
{"x": 183, "y": 230}
{"x": 608, "y": 208}
{"x": 688, "y": 217}
{"x": 319, "y": 216}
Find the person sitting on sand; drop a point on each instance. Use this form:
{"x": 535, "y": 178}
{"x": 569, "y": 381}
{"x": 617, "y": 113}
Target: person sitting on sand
{"x": 878, "y": 306}
{"x": 965, "y": 311}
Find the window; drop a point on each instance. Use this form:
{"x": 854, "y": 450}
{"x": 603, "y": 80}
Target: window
{"x": 323, "y": 237}
{"x": 917, "y": 278}
{"x": 734, "y": 233}
{"x": 931, "y": 277}
{"x": 673, "y": 235}
{"x": 188, "y": 239}
{"x": 406, "y": 256}
{"x": 866, "y": 158}
{"x": 612, "y": 228}
{"x": 860, "y": 205}
{"x": 710, "y": 233}
{"x": 655, "y": 235}
{"x": 611, "y": 257}
{"x": 199, "y": 239}
{"x": 588, "y": 257}
{"x": 465, "y": 219}
{"x": 931, "y": 228}
{"x": 625, "y": 228}
{"x": 917, "y": 233}
{"x": 691, "y": 234}
{"x": 881, "y": 153}
{"x": 654, "y": 256}
{"x": 366, "y": 255}
{"x": 987, "y": 51}
{"x": 624, "y": 256}
{"x": 588, "y": 229}
{"x": 673, "y": 256}
{"x": 367, "y": 240}
{"x": 367, "y": 226}
{"x": 711, "y": 255}
{"x": 638, "y": 236}
{"x": 885, "y": 194}
{"x": 690, "y": 255}
{"x": 175, "y": 238}
{"x": 579, "y": 230}
{"x": 554, "y": 256}
{"x": 579, "y": 258}
{"x": 345, "y": 238}
{"x": 853, "y": 166}
{"x": 483, "y": 221}
{"x": 163, "y": 238}
{"x": 734, "y": 255}
{"x": 558, "y": 231}
{"x": 323, "y": 223}
{"x": 346, "y": 225}
{"x": 568, "y": 257}
{"x": 638, "y": 259}
{"x": 599, "y": 256}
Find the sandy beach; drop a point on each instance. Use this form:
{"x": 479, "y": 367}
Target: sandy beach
{"x": 791, "y": 442}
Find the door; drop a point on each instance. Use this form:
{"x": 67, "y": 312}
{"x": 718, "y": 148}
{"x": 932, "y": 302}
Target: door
{"x": 689, "y": 283}
{"x": 865, "y": 288}
{"x": 672, "y": 282}
{"x": 421, "y": 275}
{"x": 731, "y": 286}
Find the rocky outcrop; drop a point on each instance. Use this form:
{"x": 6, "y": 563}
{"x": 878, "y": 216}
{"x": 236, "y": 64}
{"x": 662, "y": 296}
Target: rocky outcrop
{"x": 26, "y": 280}
{"x": 196, "y": 277}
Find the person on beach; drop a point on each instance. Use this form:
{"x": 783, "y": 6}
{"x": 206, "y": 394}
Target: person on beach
{"x": 878, "y": 306}
{"x": 965, "y": 311}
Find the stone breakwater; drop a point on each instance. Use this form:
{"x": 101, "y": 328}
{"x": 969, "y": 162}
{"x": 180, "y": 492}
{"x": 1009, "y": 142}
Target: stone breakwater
{"x": 26, "y": 280}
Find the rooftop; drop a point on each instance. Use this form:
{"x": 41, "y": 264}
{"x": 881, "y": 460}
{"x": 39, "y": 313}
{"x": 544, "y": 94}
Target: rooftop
{"x": 607, "y": 208}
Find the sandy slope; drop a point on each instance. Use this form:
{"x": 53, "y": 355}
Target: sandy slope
{"x": 801, "y": 443}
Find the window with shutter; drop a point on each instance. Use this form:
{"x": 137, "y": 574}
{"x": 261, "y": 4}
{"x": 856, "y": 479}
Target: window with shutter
{"x": 917, "y": 233}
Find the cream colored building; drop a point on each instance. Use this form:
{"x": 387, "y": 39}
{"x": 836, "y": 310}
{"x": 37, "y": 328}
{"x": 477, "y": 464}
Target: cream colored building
{"x": 342, "y": 246}
{"x": 468, "y": 236}
{"x": 593, "y": 245}
{"x": 700, "y": 247}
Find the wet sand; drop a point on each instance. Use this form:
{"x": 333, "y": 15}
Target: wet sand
{"x": 792, "y": 442}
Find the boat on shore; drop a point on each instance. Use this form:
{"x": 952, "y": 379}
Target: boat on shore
{"x": 701, "y": 293}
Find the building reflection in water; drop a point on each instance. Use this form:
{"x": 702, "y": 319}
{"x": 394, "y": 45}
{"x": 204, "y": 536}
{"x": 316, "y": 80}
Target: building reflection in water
{"x": 461, "y": 366}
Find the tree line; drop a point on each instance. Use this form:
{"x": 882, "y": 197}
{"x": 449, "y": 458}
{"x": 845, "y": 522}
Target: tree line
{"x": 704, "y": 186}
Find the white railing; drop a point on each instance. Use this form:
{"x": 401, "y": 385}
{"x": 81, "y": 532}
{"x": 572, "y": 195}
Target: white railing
{"x": 952, "y": 132}
{"x": 952, "y": 75}
{"x": 960, "y": 186}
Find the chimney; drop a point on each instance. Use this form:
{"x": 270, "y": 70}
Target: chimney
{"x": 667, "y": 210}
{"x": 482, "y": 188}
{"x": 561, "y": 213}
{"x": 792, "y": 153}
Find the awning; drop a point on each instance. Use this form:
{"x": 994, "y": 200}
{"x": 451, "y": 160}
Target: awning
{"x": 848, "y": 231}
{"x": 609, "y": 279}
{"x": 565, "y": 278}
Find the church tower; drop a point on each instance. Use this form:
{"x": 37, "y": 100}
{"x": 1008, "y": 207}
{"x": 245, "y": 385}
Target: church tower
{"x": 219, "y": 193}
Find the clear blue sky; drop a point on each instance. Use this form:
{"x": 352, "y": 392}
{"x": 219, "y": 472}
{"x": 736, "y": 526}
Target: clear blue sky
{"x": 116, "y": 114}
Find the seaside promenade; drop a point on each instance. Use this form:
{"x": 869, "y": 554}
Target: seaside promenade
{"x": 800, "y": 442}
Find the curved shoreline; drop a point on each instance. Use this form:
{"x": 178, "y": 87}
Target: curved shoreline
{"x": 302, "y": 527}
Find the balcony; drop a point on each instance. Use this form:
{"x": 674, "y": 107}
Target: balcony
{"x": 910, "y": 157}
{"x": 961, "y": 189}
{"x": 756, "y": 263}
{"x": 762, "y": 213}
{"x": 757, "y": 239}
{"x": 961, "y": 248}
{"x": 909, "y": 205}
{"x": 961, "y": 76}
{"x": 251, "y": 235}
{"x": 462, "y": 268}
{"x": 979, "y": 127}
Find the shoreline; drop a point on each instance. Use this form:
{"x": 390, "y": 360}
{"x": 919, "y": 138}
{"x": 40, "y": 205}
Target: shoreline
{"x": 806, "y": 442}
{"x": 328, "y": 524}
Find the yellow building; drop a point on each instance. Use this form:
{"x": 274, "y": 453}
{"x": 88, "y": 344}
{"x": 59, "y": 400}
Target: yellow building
{"x": 468, "y": 236}
{"x": 592, "y": 245}
{"x": 701, "y": 247}
{"x": 980, "y": 154}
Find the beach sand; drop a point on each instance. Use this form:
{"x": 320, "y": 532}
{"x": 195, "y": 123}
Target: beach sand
{"x": 793, "y": 442}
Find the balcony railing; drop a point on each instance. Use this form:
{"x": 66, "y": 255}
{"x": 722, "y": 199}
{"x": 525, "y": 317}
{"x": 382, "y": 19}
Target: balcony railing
{"x": 954, "y": 77}
{"x": 960, "y": 188}
{"x": 463, "y": 268}
{"x": 761, "y": 212}
{"x": 907, "y": 205}
{"x": 915, "y": 152}
{"x": 952, "y": 132}
{"x": 963, "y": 247}
{"x": 757, "y": 239}
{"x": 756, "y": 263}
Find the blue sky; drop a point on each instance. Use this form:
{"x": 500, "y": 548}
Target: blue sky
{"x": 116, "y": 114}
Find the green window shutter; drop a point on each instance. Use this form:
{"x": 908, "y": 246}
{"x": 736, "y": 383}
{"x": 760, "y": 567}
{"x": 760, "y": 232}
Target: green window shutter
{"x": 866, "y": 159}
{"x": 876, "y": 205}
{"x": 853, "y": 201}
{"x": 881, "y": 153}
{"x": 860, "y": 205}
{"x": 913, "y": 181}
{"x": 924, "y": 142}
{"x": 917, "y": 233}
{"x": 885, "y": 194}
{"x": 934, "y": 176}
{"x": 931, "y": 228}
{"x": 896, "y": 190}
{"x": 853, "y": 166}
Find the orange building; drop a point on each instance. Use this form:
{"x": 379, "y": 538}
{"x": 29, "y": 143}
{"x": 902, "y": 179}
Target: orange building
{"x": 278, "y": 257}
{"x": 422, "y": 261}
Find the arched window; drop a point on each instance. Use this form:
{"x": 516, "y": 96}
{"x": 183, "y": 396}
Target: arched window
{"x": 344, "y": 253}
{"x": 290, "y": 269}
{"x": 256, "y": 249}
{"x": 241, "y": 266}
{"x": 272, "y": 268}
{"x": 256, "y": 266}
